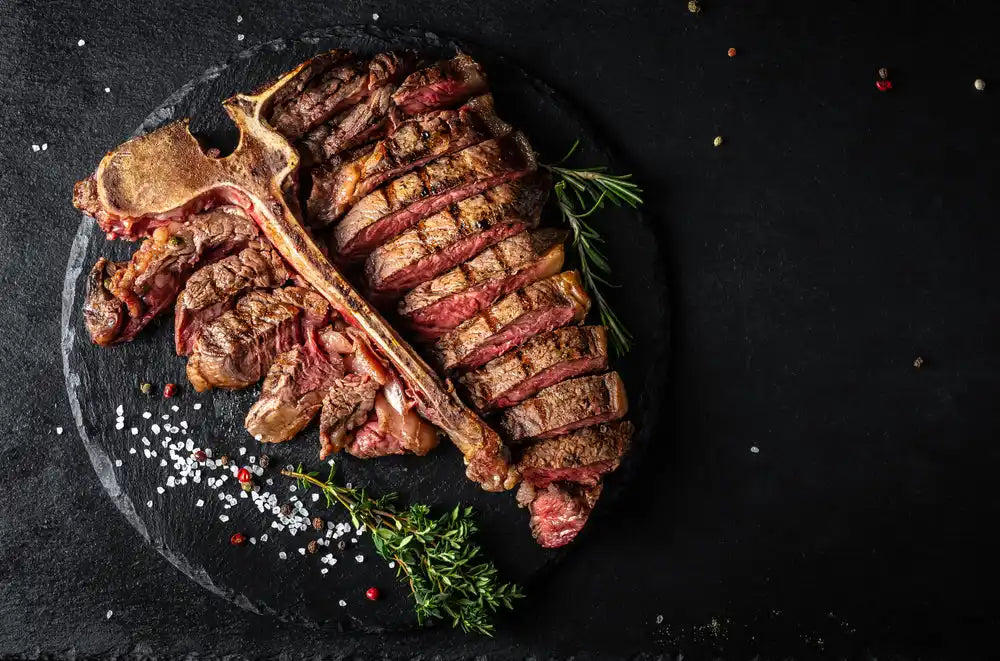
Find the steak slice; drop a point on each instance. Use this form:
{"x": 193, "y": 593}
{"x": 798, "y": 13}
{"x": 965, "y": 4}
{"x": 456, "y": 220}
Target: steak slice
{"x": 293, "y": 391}
{"x": 390, "y": 432}
{"x": 151, "y": 280}
{"x": 235, "y": 350}
{"x": 213, "y": 289}
{"x": 454, "y": 235}
{"x": 542, "y": 361}
{"x": 331, "y": 83}
{"x": 539, "y": 307}
{"x": 389, "y": 210}
{"x": 103, "y": 312}
{"x": 413, "y": 143}
{"x": 582, "y": 456}
{"x": 441, "y": 85}
{"x": 346, "y": 406}
{"x": 443, "y": 303}
{"x": 558, "y": 512}
{"x": 357, "y": 125}
{"x": 558, "y": 409}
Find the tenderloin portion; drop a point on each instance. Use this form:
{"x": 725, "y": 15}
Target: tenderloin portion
{"x": 443, "y": 303}
{"x": 150, "y": 281}
{"x": 566, "y": 406}
{"x": 582, "y": 456}
{"x": 413, "y": 143}
{"x": 346, "y": 406}
{"x": 542, "y": 361}
{"x": 539, "y": 307}
{"x": 293, "y": 392}
{"x": 329, "y": 84}
{"x": 428, "y": 189}
{"x": 454, "y": 235}
{"x": 559, "y": 511}
{"x": 235, "y": 350}
{"x": 441, "y": 85}
{"x": 212, "y": 289}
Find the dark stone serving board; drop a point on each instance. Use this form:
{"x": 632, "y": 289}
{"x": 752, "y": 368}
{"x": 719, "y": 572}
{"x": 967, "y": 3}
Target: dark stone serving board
{"x": 194, "y": 539}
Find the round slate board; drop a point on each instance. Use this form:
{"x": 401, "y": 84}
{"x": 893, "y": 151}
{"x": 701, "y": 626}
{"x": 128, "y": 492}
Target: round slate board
{"x": 194, "y": 538}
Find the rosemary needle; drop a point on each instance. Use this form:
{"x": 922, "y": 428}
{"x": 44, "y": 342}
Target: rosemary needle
{"x": 579, "y": 193}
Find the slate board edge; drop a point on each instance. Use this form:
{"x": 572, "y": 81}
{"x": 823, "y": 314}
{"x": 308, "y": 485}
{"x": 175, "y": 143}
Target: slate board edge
{"x": 75, "y": 264}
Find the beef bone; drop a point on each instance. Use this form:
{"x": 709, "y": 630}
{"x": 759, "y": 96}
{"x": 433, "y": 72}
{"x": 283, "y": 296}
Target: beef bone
{"x": 166, "y": 174}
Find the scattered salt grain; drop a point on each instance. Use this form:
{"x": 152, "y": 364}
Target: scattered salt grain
{"x": 324, "y": 570}
{"x": 59, "y": 430}
{"x": 174, "y": 408}
{"x": 342, "y": 603}
{"x": 120, "y": 410}
{"x": 239, "y": 19}
{"x": 302, "y": 551}
{"x": 145, "y": 452}
{"x": 392, "y": 565}
{"x": 147, "y": 415}
{"x": 223, "y": 518}
{"x": 131, "y": 450}
{"x": 184, "y": 424}
{"x": 239, "y": 37}
{"x": 155, "y": 428}
{"x": 291, "y": 488}
{"x": 243, "y": 451}
{"x": 359, "y": 558}
{"x": 107, "y": 90}
{"x": 118, "y": 463}
{"x": 108, "y": 615}
{"x": 149, "y": 503}
{"x": 160, "y": 490}
{"x": 170, "y": 481}
{"x": 119, "y": 426}
{"x": 163, "y": 462}
{"x": 754, "y": 449}
{"x": 135, "y": 431}
{"x": 45, "y": 146}
{"x": 282, "y": 555}
{"x": 659, "y": 619}
{"x": 197, "y": 407}
{"x": 253, "y": 540}
{"x": 315, "y": 497}
{"x": 165, "y": 416}
{"x": 374, "y": 17}
{"x": 35, "y": 148}
{"x": 200, "y": 503}
{"x": 263, "y": 537}
{"x": 81, "y": 43}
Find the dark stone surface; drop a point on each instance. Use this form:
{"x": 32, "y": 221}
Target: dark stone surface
{"x": 194, "y": 537}
{"x": 837, "y": 234}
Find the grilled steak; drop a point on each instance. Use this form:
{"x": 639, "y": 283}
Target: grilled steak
{"x": 150, "y": 281}
{"x": 213, "y": 289}
{"x": 413, "y": 143}
{"x": 355, "y": 126}
{"x": 346, "y": 406}
{"x": 390, "y": 432}
{"x": 443, "y": 303}
{"x": 441, "y": 85}
{"x": 540, "y": 362}
{"x": 235, "y": 350}
{"x": 539, "y": 307}
{"x": 558, "y": 409}
{"x": 558, "y": 512}
{"x": 582, "y": 456}
{"x": 400, "y": 204}
{"x": 331, "y": 83}
{"x": 293, "y": 391}
{"x": 454, "y": 235}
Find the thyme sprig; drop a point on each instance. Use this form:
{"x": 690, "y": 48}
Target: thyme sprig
{"x": 579, "y": 193}
{"x": 435, "y": 557}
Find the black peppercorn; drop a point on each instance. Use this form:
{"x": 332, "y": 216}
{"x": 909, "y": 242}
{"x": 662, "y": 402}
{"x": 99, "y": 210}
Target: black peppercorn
{"x": 264, "y": 461}
{"x": 286, "y": 509}
{"x": 341, "y": 545}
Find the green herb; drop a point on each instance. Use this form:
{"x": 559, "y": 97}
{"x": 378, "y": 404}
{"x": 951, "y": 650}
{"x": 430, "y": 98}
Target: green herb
{"x": 579, "y": 193}
{"x": 435, "y": 557}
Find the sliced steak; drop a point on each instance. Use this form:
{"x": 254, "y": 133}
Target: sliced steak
{"x": 103, "y": 312}
{"x": 558, "y": 512}
{"x": 346, "y": 406}
{"x": 331, "y": 83}
{"x": 582, "y": 456}
{"x": 558, "y": 409}
{"x": 150, "y": 281}
{"x": 413, "y": 143}
{"x": 400, "y": 204}
{"x": 443, "y": 303}
{"x": 542, "y": 361}
{"x": 293, "y": 392}
{"x": 390, "y": 432}
{"x": 454, "y": 235}
{"x": 355, "y": 126}
{"x": 539, "y": 307}
{"x": 441, "y": 85}
{"x": 213, "y": 289}
{"x": 235, "y": 350}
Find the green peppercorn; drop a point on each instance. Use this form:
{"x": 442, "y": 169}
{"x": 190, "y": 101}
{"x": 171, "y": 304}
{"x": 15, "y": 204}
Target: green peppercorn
{"x": 176, "y": 242}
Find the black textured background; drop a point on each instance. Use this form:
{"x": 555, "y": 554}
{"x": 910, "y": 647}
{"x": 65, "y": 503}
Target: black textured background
{"x": 838, "y": 233}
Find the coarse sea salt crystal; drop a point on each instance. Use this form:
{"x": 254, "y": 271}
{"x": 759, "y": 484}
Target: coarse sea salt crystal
{"x": 118, "y": 462}
{"x": 81, "y": 43}
{"x": 147, "y": 415}
{"x": 135, "y": 431}
{"x": 197, "y": 407}
{"x": 59, "y": 430}
{"x": 253, "y": 540}
{"x": 200, "y": 503}
{"x": 131, "y": 450}
{"x": 145, "y": 452}
{"x": 392, "y": 565}
{"x": 302, "y": 551}
{"x": 45, "y": 146}
{"x": 263, "y": 537}
{"x": 160, "y": 490}
{"x": 107, "y": 90}
{"x": 342, "y": 603}
{"x": 239, "y": 19}
{"x": 35, "y": 148}
{"x": 174, "y": 408}
{"x": 108, "y": 615}
{"x": 120, "y": 410}
{"x": 163, "y": 462}
{"x": 324, "y": 570}
{"x": 155, "y": 428}
{"x": 374, "y": 17}
{"x": 315, "y": 497}
{"x": 120, "y": 426}
{"x": 239, "y": 37}
{"x": 282, "y": 555}
{"x": 223, "y": 518}
{"x": 184, "y": 424}
{"x": 164, "y": 417}
{"x": 359, "y": 558}
{"x": 149, "y": 503}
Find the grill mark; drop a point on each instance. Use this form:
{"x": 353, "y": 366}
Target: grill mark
{"x": 425, "y": 190}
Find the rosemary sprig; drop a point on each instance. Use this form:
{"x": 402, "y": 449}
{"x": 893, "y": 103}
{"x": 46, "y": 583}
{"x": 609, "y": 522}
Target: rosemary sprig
{"x": 579, "y": 193}
{"x": 435, "y": 557}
